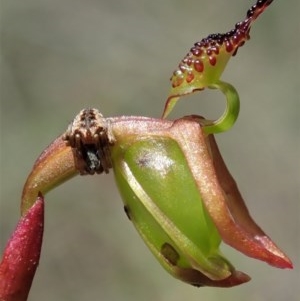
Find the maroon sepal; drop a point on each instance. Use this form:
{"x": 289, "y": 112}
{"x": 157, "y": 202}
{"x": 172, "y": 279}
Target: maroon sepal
{"x": 22, "y": 254}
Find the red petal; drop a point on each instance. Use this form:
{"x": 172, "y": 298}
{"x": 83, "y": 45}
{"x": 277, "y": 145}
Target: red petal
{"x": 54, "y": 166}
{"x": 222, "y": 197}
{"x": 235, "y": 224}
{"x": 22, "y": 254}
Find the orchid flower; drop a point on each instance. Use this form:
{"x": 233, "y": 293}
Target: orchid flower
{"x": 175, "y": 186}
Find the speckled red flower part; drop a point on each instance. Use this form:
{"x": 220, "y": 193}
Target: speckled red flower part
{"x": 22, "y": 254}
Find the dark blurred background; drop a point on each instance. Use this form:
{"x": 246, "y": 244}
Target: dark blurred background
{"x": 58, "y": 57}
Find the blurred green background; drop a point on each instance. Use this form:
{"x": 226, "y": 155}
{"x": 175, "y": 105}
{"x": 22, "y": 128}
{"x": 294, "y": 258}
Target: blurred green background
{"x": 58, "y": 57}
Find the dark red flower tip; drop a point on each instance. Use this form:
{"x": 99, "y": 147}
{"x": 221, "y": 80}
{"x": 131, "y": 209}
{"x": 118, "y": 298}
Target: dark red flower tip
{"x": 22, "y": 253}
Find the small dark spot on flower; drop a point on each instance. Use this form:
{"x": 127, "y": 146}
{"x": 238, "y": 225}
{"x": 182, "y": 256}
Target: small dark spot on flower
{"x": 127, "y": 211}
{"x": 170, "y": 254}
